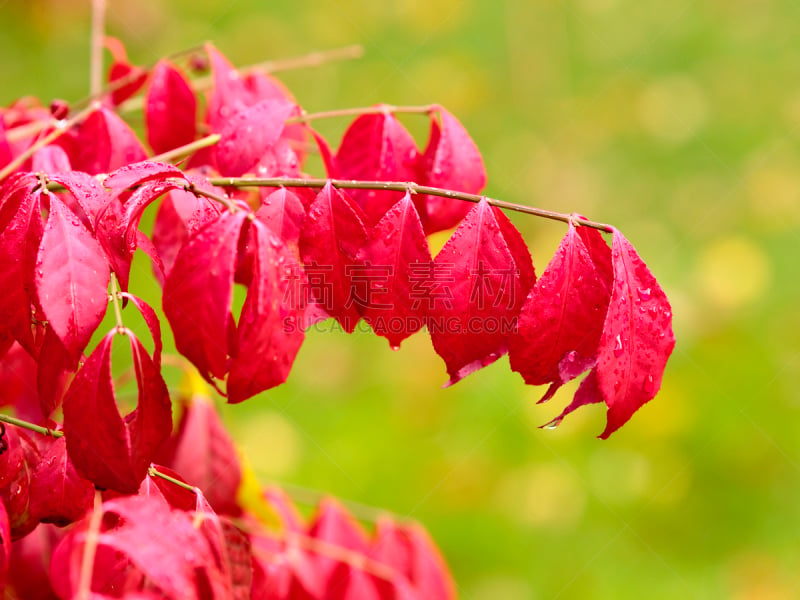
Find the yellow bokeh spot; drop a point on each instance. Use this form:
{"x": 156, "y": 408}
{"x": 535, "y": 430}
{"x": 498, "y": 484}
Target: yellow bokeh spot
{"x": 732, "y": 272}
{"x": 545, "y": 496}
{"x": 673, "y": 109}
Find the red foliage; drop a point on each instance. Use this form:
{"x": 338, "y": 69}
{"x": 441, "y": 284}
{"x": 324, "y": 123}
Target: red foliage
{"x": 70, "y": 225}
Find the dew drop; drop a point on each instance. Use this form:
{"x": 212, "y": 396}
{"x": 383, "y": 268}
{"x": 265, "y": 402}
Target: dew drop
{"x": 644, "y": 294}
{"x": 552, "y": 424}
{"x": 395, "y": 347}
{"x": 619, "y": 348}
{"x": 649, "y": 384}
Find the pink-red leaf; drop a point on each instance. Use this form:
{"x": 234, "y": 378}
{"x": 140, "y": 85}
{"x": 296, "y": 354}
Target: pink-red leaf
{"x": 71, "y": 278}
{"x": 270, "y": 327}
{"x": 88, "y": 193}
{"x": 394, "y": 262}
{"x": 5, "y": 544}
{"x": 377, "y": 147}
{"x": 199, "y": 290}
{"x": 121, "y": 68}
{"x": 116, "y": 455}
{"x": 479, "y": 282}
{"x": 452, "y": 161}
{"x": 170, "y": 109}
{"x": 637, "y": 337}
{"x": 333, "y": 233}
{"x": 55, "y": 365}
{"x": 249, "y": 134}
{"x": 563, "y": 315}
{"x": 104, "y": 142}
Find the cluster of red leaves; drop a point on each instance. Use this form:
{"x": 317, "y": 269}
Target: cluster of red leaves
{"x": 70, "y": 220}
{"x": 165, "y": 541}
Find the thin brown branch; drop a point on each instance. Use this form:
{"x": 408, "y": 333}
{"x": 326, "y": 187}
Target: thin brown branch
{"x": 405, "y": 186}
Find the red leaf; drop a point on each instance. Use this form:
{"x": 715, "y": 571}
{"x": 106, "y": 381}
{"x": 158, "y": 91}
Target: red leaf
{"x": 333, "y": 233}
{"x": 18, "y": 382}
{"x": 451, "y": 161}
{"x": 116, "y": 455}
{"x": 30, "y": 564}
{"x": 104, "y": 142}
{"x": 120, "y": 68}
{"x": 170, "y": 109}
{"x": 203, "y": 453}
{"x": 377, "y": 147}
{"x": 637, "y": 337}
{"x": 174, "y": 495}
{"x": 198, "y": 293}
{"x": 283, "y": 212}
{"x": 179, "y": 214}
{"x": 87, "y": 192}
{"x": 5, "y": 543}
{"x": 71, "y": 278}
{"x": 395, "y": 261}
{"x": 153, "y": 324}
{"x": 51, "y": 159}
{"x": 562, "y": 318}
{"x": 229, "y": 95}
{"x": 270, "y": 327}
{"x": 55, "y": 366}
{"x": 249, "y": 134}
{"x": 479, "y": 282}
{"x": 161, "y": 544}
{"x": 20, "y": 235}
{"x": 58, "y": 493}
{"x": 135, "y": 174}
{"x": 16, "y": 470}
{"x": 410, "y": 551}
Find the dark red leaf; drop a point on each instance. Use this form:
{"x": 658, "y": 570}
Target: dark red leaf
{"x": 333, "y": 233}
{"x": 249, "y": 134}
{"x": 198, "y": 293}
{"x": 562, "y": 318}
{"x": 55, "y": 366}
{"x": 271, "y": 324}
{"x": 170, "y": 109}
{"x": 5, "y": 543}
{"x": 71, "y": 278}
{"x": 174, "y": 495}
{"x": 18, "y": 382}
{"x": 452, "y": 161}
{"x": 153, "y": 324}
{"x": 325, "y": 152}
{"x": 20, "y": 235}
{"x": 59, "y": 494}
{"x": 391, "y": 278}
{"x": 377, "y": 147}
{"x": 116, "y": 455}
{"x": 17, "y": 461}
{"x": 203, "y": 453}
{"x": 104, "y": 142}
{"x": 478, "y": 285}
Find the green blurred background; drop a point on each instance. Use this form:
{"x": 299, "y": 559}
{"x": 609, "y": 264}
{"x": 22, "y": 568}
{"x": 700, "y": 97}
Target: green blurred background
{"x": 678, "y": 122}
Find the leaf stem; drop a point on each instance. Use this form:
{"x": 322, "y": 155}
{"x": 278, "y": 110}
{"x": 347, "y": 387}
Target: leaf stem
{"x": 405, "y": 186}
{"x": 153, "y": 472}
{"x": 60, "y": 130}
{"x": 186, "y": 149}
{"x": 115, "y": 301}
{"x": 30, "y": 426}
{"x": 364, "y": 110}
{"x": 91, "y": 540}
{"x": 96, "y": 51}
